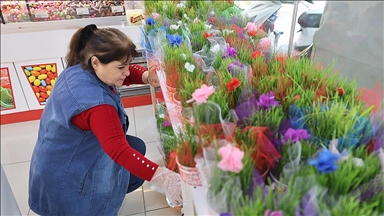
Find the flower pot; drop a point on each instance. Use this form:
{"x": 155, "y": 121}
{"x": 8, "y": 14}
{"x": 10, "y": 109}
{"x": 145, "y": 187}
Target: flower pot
{"x": 189, "y": 175}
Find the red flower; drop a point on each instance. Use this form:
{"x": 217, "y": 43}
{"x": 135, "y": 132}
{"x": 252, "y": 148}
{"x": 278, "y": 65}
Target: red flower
{"x": 255, "y": 54}
{"x": 340, "y": 91}
{"x": 208, "y": 35}
{"x": 281, "y": 59}
{"x": 296, "y": 97}
{"x": 233, "y": 84}
{"x": 252, "y": 33}
{"x": 229, "y": 1}
{"x": 212, "y": 20}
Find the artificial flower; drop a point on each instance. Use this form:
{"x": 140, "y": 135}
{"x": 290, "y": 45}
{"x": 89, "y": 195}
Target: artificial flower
{"x": 231, "y": 158}
{"x": 233, "y": 66}
{"x": 174, "y": 27}
{"x": 180, "y": 5}
{"x": 167, "y": 124}
{"x": 208, "y": 26}
{"x": 179, "y": 23}
{"x": 256, "y": 54}
{"x": 196, "y": 20}
{"x": 186, "y": 17}
{"x": 326, "y": 161}
{"x": 296, "y": 97}
{"x": 189, "y": 67}
{"x": 250, "y": 27}
{"x": 201, "y": 94}
{"x": 268, "y": 212}
{"x": 174, "y": 40}
{"x": 252, "y": 33}
{"x": 340, "y": 91}
{"x": 215, "y": 49}
{"x": 156, "y": 16}
{"x": 296, "y": 135}
{"x": 230, "y": 52}
{"x": 212, "y": 19}
{"x": 208, "y": 35}
{"x": 233, "y": 84}
{"x": 161, "y": 116}
{"x": 345, "y": 155}
{"x": 264, "y": 44}
{"x": 150, "y": 21}
{"x": 183, "y": 56}
{"x": 267, "y": 101}
{"x": 167, "y": 22}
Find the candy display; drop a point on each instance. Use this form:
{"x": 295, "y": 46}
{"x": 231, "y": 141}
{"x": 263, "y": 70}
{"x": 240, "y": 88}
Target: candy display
{"x": 46, "y": 10}
{"x": 42, "y": 78}
{"x": 82, "y": 9}
{"x": 7, "y": 99}
{"x": 112, "y": 8}
{"x": 15, "y": 11}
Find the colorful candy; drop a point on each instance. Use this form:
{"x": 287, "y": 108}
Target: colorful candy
{"x": 15, "y": 11}
{"x": 42, "y": 79}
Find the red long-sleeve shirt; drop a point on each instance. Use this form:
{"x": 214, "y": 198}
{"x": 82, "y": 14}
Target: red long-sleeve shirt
{"x": 104, "y": 122}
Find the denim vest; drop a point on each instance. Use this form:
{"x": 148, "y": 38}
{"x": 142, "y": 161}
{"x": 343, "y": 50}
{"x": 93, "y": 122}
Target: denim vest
{"x": 70, "y": 174}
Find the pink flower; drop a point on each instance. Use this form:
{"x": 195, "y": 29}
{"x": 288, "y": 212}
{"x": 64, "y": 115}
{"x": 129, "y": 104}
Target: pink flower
{"x": 250, "y": 27}
{"x": 196, "y": 20}
{"x": 231, "y": 158}
{"x": 264, "y": 44}
{"x": 268, "y": 212}
{"x": 201, "y": 95}
{"x": 156, "y": 16}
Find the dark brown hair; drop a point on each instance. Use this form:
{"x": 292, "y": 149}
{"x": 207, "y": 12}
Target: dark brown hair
{"x": 106, "y": 44}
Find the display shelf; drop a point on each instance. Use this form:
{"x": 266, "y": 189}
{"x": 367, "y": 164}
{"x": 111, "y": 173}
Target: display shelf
{"x": 12, "y": 96}
{"x": 38, "y": 79}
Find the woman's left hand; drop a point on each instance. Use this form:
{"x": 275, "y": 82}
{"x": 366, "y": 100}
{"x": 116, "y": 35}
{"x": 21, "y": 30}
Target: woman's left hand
{"x": 153, "y": 80}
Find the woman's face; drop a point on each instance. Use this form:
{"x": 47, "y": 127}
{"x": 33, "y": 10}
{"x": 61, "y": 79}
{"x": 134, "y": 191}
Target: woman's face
{"x": 113, "y": 73}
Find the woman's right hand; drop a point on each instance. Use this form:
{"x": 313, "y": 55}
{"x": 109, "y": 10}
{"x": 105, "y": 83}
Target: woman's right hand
{"x": 168, "y": 183}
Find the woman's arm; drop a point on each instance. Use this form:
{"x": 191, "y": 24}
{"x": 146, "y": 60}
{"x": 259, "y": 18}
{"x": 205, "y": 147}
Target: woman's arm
{"x": 104, "y": 122}
{"x": 138, "y": 75}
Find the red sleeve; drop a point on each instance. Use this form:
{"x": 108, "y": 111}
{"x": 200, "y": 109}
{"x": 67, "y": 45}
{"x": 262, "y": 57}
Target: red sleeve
{"x": 135, "y": 76}
{"x": 105, "y": 124}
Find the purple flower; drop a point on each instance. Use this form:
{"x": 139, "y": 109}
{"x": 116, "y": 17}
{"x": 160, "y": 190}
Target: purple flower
{"x": 326, "y": 161}
{"x": 235, "y": 65}
{"x": 296, "y": 135}
{"x": 268, "y": 212}
{"x": 267, "y": 101}
{"x": 230, "y": 52}
{"x": 225, "y": 214}
{"x": 167, "y": 124}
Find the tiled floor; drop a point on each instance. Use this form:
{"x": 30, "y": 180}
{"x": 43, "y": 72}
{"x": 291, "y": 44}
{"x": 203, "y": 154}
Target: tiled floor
{"x": 18, "y": 141}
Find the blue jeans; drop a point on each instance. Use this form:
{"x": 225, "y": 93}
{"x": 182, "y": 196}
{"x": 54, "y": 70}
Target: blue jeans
{"x": 139, "y": 145}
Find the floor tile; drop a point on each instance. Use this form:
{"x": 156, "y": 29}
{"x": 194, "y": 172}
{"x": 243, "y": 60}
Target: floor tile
{"x": 133, "y": 203}
{"x": 31, "y": 213}
{"x": 132, "y": 125}
{"x": 146, "y": 123}
{"x": 164, "y": 211}
{"x": 153, "y": 200}
{"x": 18, "y": 141}
{"x": 18, "y": 175}
{"x": 140, "y": 214}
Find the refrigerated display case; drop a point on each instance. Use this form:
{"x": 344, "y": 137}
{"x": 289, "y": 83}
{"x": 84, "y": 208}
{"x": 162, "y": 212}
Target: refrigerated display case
{"x": 15, "y": 11}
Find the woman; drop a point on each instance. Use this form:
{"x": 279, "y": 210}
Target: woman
{"x": 83, "y": 162}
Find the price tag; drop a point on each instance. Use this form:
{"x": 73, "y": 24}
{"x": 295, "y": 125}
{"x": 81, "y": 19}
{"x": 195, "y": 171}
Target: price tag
{"x": 117, "y": 9}
{"x": 82, "y": 11}
{"x": 41, "y": 14}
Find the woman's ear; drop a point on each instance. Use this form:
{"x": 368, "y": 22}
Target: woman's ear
{"x": 95, "y": 62}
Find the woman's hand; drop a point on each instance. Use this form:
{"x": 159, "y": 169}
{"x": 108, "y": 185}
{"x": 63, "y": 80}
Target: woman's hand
{"x": 150, "y": 77}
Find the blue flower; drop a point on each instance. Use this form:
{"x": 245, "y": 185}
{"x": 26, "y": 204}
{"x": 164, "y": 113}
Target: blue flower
{"x": 150, "y": 21}
{"x": 175, "y": 40}
{"x": 326, "y": 162}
